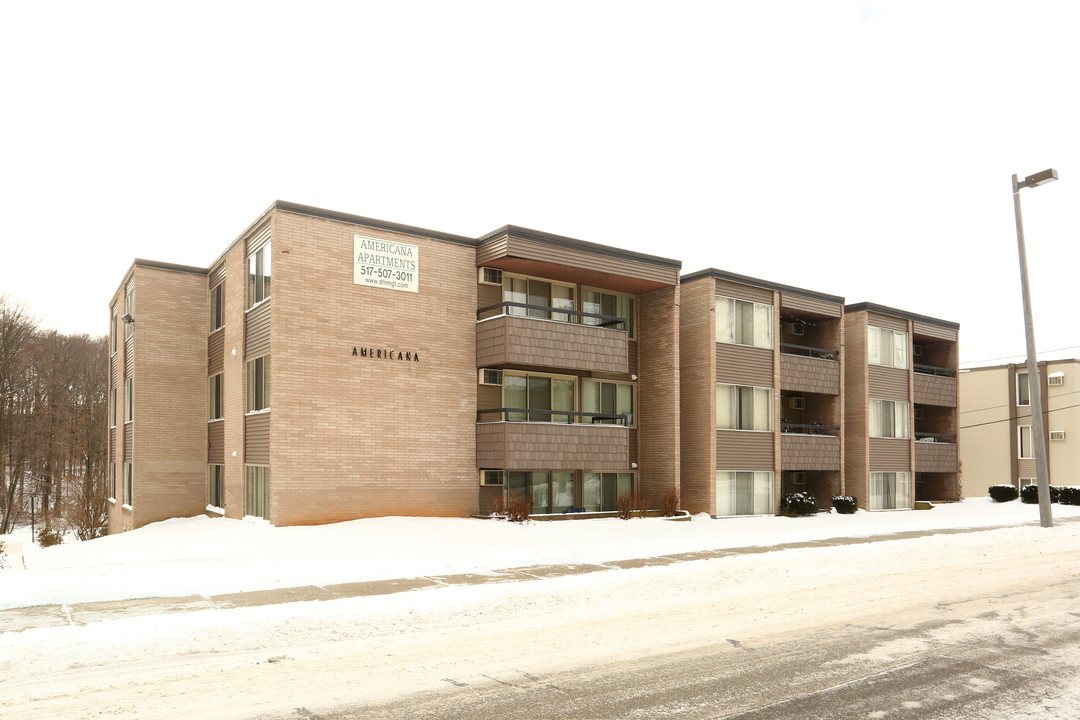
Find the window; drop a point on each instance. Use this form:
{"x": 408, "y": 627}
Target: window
{"x": 742, "y": 322}
{"x": 112, "y": 407}
{"x": 542, "y": 393}
{"x": 888, "y": 347}
{"x": 542, "y": 294}
{"x": 258, "y": 384}
{"x": 889, "y": 419}
{"x": 619, "y": 310}
{"x": 602, "y": 490}
{"x": 550, "y": 492}
{"x": 129, "y": 309}
{"x": 890, "y": 490}
{"x": 1027, "y": 451}
{"x": 112, "y": 481}
{"x": 258, "y": 276}
{"x": 257, "y": 491}
{"x": 741, "y": 407}
{"x": 1023, "y": 389}
{"x": 127, "y": 484}
{"x": 215, "y": 492}
{"x": 608, "y": 398}
{"x": 217, "y": 306}
{"x": 744, "y": 492}
{"x": 215, "y": 403}
{"x": 129, "y": 399}
{"x": 113, "y": 332}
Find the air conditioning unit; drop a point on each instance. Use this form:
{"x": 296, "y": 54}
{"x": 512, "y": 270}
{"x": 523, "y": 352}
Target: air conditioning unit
{"x": 1057, "y": 378}
{"x": 916, "y": 350}
{"x": 1057, "y": 434}
{"x": 796, "y": 328}
{"x": 491, "y": 478}
{"x": 489, "y": 377}
{"x": 918, "y": 413}
{"x": 798, "y": 478}
{"x": 490, "y": 276}
{"x": 797, "y": 403}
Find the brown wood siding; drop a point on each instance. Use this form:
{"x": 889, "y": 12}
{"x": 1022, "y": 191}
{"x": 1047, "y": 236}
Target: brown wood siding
{"x": 488, "y": 397}
{"x": 112, "y": 447}
{"x": 935, "y": 457}
{"x": 935, "y": 331}
{"x": 539, "y": 446}
{"x": 129, "y": 440}
{"x": 887, "y": 454}
{"x": 215, "y": 442}
{"x": 595, "y": 261}
{"x": 631, "y": 357}
{"x": 809, "y": 452}
{"x": 886, "y": 321}
{"x": 216, "y": 274}
{"x": 258, "y": 239}
{"x": 817, "y": 306}
{"x": 488, "y": 295}
{"x": 742, "y": 450}
{"x": 129, "y": 357}
{"x": 728, "y": 288}
{"x": 215, "y": 353}
{"x": 257, "y": 331}
{"x": 512, "y": 340}
{"x": 257, "y": 439}
{"x": 491, "y": 250}
{"x": 742, "y": 365}
{"x": 935, "y": 390}
{"x": 888, "y": 383}
{"x": 807, "y": 374}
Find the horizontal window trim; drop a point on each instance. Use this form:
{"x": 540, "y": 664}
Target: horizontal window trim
{"x": 764, "y": 432}
{"x": 256, "y": 305}
{"x": 216, "y": 510}
{"x": 221, "y": 419}
{"x": 112, "y": 500}
{"x": 125, "y": 506}
{"x": 249, "y": 413}
{"x": 215, "y": 331}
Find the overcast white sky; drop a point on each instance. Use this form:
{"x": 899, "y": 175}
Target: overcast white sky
{"x": 862, "y": 149}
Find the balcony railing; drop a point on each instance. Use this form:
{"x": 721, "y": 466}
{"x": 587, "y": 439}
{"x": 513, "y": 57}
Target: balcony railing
{"x": 791, "y": 428}
{"x": 808, "y": 351}
{"x": 556, "y": 314}
{"x": 935, "y": 437}
{"x": 563, "y": 416}
{"x": 934, "y": 370}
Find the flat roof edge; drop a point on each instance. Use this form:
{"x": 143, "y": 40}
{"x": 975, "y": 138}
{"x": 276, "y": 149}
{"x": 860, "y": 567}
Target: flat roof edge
{"x": 299, "y": 209}
{"x": 886, "y": 310}
{"x": 158, "y": 265}
{"x": 758, "y": 282}
{"x": 575, "y": 244}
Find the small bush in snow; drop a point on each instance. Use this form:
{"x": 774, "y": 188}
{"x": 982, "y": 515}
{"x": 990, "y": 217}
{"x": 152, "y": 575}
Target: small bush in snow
{"x": 516, "y": 508}
{"x": 845, "y": 504}
{"x": 800, "y": 503}
{"x": 669, "y": 503}
{"x": 1055, "y": 493}
{"x": 631, "y": 504}
{"x": 49, "y": 537}
{"x": 3, "y": 557}
{"x": 1069, "y": 496}
{"x": 1002, "y": 493}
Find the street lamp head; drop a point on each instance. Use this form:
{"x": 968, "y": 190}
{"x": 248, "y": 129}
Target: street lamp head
{"x": 1038, "y": 179}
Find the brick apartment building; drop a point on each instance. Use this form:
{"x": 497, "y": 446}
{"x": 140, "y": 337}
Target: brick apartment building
{"x": 329, "y": 366}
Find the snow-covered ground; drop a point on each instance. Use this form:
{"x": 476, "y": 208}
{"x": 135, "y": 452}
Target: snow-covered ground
{"x": 210, "y": 556}
{"x": 381, "y": 648}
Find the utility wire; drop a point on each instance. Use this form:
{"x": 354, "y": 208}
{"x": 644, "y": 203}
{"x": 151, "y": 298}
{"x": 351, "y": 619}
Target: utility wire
{"x": 1009, "y": 357}
{"x": 995, "y": 407}
{"x": 1016, "y": 417}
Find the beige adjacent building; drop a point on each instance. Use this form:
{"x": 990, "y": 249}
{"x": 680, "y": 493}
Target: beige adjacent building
{"x": 995, "y": 428}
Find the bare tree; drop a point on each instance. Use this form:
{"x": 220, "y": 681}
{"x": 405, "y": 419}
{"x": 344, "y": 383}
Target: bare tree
{"x": 17, "y": 332}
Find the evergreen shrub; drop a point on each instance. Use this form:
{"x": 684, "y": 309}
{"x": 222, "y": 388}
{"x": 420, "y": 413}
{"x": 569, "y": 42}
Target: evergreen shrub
{"x": 798, "y": 504}
{"x": 845, "y": 504}
{"x": 1002, "y": 493}
{"x": 1030, "y": 494}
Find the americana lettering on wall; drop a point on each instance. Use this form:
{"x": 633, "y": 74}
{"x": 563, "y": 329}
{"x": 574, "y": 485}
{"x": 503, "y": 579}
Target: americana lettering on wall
{"x": 386, "y": 264}
{"x": 386, "y": 354}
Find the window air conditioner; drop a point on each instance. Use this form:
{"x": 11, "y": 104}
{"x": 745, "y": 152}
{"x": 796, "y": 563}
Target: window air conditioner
{"x": 1057, "y": 434}
{"x": 490, "y": 276}
{"x": 797, "y": 403}
{"x": 798, "y": 478}
{"x": 796, "y": 328}
{"x": 916, "y": 350}
{"x": 491, "y": 478}
{"x": 1056, "y": 379}
{"x": 490, "y": 377}
{"x": 918, "y": 413}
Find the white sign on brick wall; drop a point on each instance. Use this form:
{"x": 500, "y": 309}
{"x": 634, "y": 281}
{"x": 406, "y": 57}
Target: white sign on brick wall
{"x": 386, "y": 264}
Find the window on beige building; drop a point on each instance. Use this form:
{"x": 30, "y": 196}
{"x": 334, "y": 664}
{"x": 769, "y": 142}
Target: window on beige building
{"x": 744, "y": 492}
{"x": 258, "y": 384}
{"x": 612, "y": 305}
{"x": 214, "y": 404}
{"x": 742, "y": 407}
{"x": 742, "y": 322}
{"x": 217, "y": 306}
{"x": 541, "y": 393}
{"x": 603, "y": 490}
{"x": 215, "y": 492}
{"x": 888, "y": 347}
{"x": 258, "y": 276}
{"x": 889, "y": 419}
{"x": 608, "y": 398}
{"x": 128, "y": 482}
{"x": 1023, "y": 389}
{"x": 257, "y": 491}
{"x": 129, "y": 399}
{"x": 890, "y": 490}
{"x": 1025, "y": 446}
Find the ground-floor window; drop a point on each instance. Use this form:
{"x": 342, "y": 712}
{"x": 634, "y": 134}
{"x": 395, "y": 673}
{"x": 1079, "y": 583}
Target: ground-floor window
{"x": 257, "y": 491}
{"x": 127, "y": 483}
{"x": 744, "y": 492}
{"x": 890, "y": 490}
{"x": 602, "y": 490}
{"x": 550, "y": 491}
{"x": 215, "y": 492}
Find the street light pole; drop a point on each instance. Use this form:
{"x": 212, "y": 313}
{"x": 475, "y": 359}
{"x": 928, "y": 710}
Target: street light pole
{"x": 1038, "y": 432}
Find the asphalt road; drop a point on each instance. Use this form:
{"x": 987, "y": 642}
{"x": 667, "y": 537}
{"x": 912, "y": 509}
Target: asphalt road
{"x": 986, "y": 655}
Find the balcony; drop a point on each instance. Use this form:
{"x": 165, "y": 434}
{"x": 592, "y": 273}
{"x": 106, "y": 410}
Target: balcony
{"x": 590, "y": 441}
{"x": 809, "y": 446}
{"x": 809, "y": 369}
{"x": 934, "y": 385}
{"x": 550, "y": 338}
{"x": 935, "y": 453}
